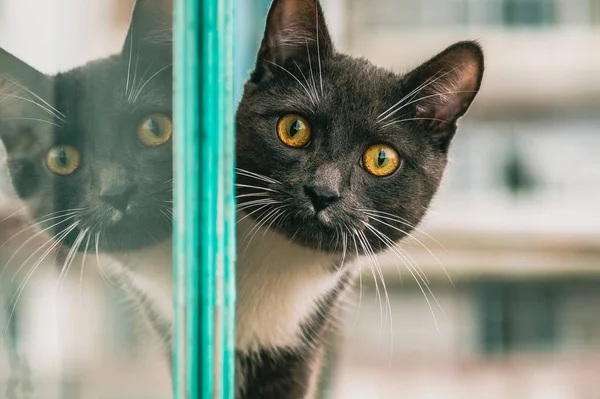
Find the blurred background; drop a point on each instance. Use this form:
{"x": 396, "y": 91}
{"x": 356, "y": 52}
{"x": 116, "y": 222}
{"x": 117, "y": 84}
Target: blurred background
{"x": 516, "y": 225}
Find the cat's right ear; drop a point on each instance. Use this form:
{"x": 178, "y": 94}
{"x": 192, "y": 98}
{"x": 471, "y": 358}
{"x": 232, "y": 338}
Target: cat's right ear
{"x": 17, "y": 79}
{"x": 150, "y": 34}
{"x": 25, "y": 97}
{"x": 296, "y": 36}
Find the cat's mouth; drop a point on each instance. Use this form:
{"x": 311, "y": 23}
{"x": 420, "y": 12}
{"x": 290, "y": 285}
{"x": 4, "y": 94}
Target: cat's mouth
{"x": 116, "y": 231}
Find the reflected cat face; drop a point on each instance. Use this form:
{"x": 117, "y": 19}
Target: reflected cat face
{"x": 89, "y": 151}
{"x": 336, "y": 153}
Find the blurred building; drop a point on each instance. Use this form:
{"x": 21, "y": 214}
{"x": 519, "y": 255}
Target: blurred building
{"x": 515, "y": 224}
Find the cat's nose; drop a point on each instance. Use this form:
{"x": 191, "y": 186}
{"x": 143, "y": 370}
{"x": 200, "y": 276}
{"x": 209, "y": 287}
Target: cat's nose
{"x": 118, "y": 196}
{"x": 321, "y": 197}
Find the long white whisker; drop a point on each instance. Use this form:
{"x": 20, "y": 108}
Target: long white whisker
{"x": 297, "y": 80}
{"x": 360, "y": 237}
{"x": 390, "y": 111}
{"x": 87, "y": 244}
{"x": 49, "y": 108}
{"x": 21, "y": 287}
{"x": 31, "y": 119}
{"x": 396, "y": 122}
{"x": 318, "y": 49}
{"x": 386, "y": 240}
{"x": 148, "y": 81}
{"x": 27, "y": 242}
{"x": 398, "y": 219}
{"x": 381, "y": 277}
{"x": 257, "y": 176}
{"x": 423, "y": 245}
{"x": 255, "y": 187}
{"x": 425, "y": 98}
{"x": 70, "y": 257}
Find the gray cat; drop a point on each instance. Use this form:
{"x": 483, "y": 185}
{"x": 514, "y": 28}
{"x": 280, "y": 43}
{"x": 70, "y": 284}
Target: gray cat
{"x": 89, "y": 152}
{"x": 337, "y": 159}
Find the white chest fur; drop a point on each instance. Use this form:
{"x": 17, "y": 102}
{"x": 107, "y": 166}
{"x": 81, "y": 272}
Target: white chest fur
{"x": 278, "y": 285}
{"x": 147, "y": 276}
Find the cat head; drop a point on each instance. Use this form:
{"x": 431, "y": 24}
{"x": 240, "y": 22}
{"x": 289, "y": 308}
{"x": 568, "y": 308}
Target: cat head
{"x": 335, "y": 152}
{"x": 89, "y": 150}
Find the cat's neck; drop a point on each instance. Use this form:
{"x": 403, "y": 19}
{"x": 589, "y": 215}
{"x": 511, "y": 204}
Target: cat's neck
{"x": 146, "y": 275}
{"x": 279, "y": 285}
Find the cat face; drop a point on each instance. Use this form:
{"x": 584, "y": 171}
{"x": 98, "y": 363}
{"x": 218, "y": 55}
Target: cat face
{"x": 89, "y": 151}
{"x": 339, "y": 154}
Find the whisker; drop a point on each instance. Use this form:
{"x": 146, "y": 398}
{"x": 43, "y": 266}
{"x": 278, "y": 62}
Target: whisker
{"x": 70, "y": 257}
{"x": 391, "y": 111}
{"x": 260, "y": 223}
{"x": 87, "y": 244}
{"x": 21, "y": 287}
{"x": 256, "y": 175}
{"x": 425, "y": 98}
{"x": 254, "y": 211}
{"x": 318, "y": 49}
{"x": 255, "y": 187}
{"x": 395, "y": 122}
{"x": 360, "y": 237}
{"x": 47, "y": 107}
{"x": 252, "y": 195}
{"x": 31, "y": 119}
{"x": 386, "y": 240}
{"x": 297, "y": 80}
{"x": 148, "y": 81}
{"x": 14, "y": 254}
{"x": 99, "y": 263}
{"x": 422, "y": 244}
{"x": 398, "y": 219}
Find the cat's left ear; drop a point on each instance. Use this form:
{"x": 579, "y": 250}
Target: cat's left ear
{"x": 150, "y": 34}
{"x": 296, "y": 36}
{"x": 443, "y": 88}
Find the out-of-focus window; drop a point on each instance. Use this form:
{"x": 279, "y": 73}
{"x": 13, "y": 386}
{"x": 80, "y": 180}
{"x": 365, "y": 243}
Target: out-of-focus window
{"x": 435, "y": 14}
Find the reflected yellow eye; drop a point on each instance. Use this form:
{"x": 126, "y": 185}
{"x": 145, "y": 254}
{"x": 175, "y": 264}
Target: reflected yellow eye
{"x": 381, "y": 160}
{"x": 63, "y": 160}
{"x": 293, "y": 130}
{"x": 155, "y": 130}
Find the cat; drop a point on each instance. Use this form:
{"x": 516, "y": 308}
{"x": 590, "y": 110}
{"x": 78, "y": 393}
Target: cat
{"x": 89, "y": 153}
{"x": 337, "y": 159}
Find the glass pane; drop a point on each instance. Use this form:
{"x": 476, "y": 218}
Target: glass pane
{"x": 86, "y": 198}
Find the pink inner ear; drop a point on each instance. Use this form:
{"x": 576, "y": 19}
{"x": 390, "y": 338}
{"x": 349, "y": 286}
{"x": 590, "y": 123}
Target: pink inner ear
{"x": 455, "y": 95}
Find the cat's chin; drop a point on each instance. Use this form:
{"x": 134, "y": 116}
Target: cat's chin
{"x": 318, "y": 232}
{"x": 117, "y": 238}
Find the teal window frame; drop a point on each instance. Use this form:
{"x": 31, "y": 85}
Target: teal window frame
{"x": 204, "y": 201}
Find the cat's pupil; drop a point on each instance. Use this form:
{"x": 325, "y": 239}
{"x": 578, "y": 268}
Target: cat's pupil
{"x": 154, "y": 127}
{"x": 295, "y": 128}
{"x": 62, "y": 158}
{"x": 381, "y": 158}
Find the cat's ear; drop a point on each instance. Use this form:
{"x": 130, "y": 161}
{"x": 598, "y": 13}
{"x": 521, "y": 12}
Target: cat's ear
{"x": 296, "y": 36}
{"x": 17, "y": 78}
{"x": 150, "y": 34}
{"x": 442, "y": 89}
{"x": 25, "y": 97}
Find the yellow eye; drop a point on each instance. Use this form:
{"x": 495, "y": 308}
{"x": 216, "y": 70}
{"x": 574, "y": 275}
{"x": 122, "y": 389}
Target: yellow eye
{"x": 155, "y": 130}
{"x": 293, "y": 130}
{"x": 63, "y": 160}
{"x": 381, "y": 160}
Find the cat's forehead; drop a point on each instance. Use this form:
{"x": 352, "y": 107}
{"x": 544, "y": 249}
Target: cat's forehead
{"x": 112, "y": 86}
{"x": 359, "y": 87}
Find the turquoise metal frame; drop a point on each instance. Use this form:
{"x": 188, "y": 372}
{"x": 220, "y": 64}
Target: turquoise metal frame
{"x": 204, "y": 232}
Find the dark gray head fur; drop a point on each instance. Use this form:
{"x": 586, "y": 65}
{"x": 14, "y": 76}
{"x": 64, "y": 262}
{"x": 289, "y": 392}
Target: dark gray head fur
{"x": 350, "y": 105}
{"x": 96, "y": 109}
